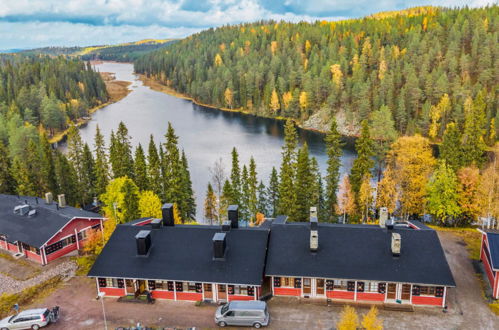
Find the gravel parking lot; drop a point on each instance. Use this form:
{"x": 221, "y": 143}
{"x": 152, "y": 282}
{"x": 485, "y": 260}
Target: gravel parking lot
{"x": 467, "y": 307}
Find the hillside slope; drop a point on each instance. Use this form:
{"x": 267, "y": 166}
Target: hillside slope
{"x": 406, "y": 61}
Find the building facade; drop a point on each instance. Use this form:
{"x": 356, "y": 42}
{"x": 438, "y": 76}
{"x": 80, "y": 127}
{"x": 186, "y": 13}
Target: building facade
{"x": 489, "y": 255}
{"x": 42, "y": 230}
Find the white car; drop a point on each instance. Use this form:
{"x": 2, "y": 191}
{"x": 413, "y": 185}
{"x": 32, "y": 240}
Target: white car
{"x": 30, "y": 319}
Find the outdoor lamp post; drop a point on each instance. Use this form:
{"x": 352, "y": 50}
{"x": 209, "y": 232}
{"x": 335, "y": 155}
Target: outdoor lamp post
{"x": 101, "y": 297}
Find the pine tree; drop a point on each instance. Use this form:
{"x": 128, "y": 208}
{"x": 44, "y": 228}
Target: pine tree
{"x": 225, "y": 200}
{"x": 75, "y": 156}
{"x": 334, "y": 152}
{"x": 383, "y": 133}
{"x": 262, "y": 204}
{"x": 7, "y": 185}
{"x": 88, "y": 176}
{"x": 273, "y": 193}
{"x": 210, "y": 205}
{"x": 252, "y": 190}
{"x": 473, "y": 145}
{"x": 363, "y": 164}
{"x": 140, "y": 169}
{"x": 287, "y": 192}
{"x": 172, "y": 171}
{"x": 66, "y": 178}
{"x": 120, "y": 155}
{"x": 47, "y": 170}
{"x": 101, "y": 163}
{"x": 244, "y": 202}
{"x": 20, "y": 173}
{"x": 154, "y": 169}
{"x": 304, "y": 184}
{"x": 450, "y": 149}
{"x": 235, "y": 179}
{"x": 188, "y": 200}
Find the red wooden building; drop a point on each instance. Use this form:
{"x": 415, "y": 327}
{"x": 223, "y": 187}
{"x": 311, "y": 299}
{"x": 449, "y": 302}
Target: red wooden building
{"x": 402, "y": 263}
{"x": 42, "y": 230}
{"x": 489, "y": 255}
{"x": 216, "y": 263}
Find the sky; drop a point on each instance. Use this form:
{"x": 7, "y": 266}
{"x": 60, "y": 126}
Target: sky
{"x": 39, "y": 23}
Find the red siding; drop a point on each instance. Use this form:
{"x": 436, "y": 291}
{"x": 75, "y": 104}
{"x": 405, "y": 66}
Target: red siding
{"x": 33, "y": 256}
{"x": 495, "y": 294}
{"x": 233, "y": 297}
{"x": 163, "y": 294}
{"x": 61, "y": 252}
{"x": 192, "y": 296}
{"x": 12, "y": 247}
{"x": 420, "y": 300}
{"x": 488, "y": 267}
{"x": 287, "y": 292}
{"x": 145, "y": 222}
{"x": 370, "y": 296}
{"x": 350, "y": 295}
{"x": 69, "y": 230}
{"x": 113, "y": 292}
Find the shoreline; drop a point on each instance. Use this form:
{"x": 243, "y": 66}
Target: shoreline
{"x": 117, "y": 90}
{"x": 159, "y": 87}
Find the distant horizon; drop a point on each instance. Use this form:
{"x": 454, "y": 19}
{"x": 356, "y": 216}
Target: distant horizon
{"x": 33, "y": 24}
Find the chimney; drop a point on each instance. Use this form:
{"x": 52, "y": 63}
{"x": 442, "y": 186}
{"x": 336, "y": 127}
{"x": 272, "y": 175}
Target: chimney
{"x": 219, "y": 246}
{"x": 62, "y": 200}
{"x": 167, "y": 211}
{"x": 226, "y": 226}
{"x": 313, "y": 212}
{"x": 143, "y": 239}
{"x": 314, "y": 234}
{"x": 396, "y": 244}
{"x": 156, "y": 223}
{"x": 383, "y": 216}
{"x": 233, "y": 216}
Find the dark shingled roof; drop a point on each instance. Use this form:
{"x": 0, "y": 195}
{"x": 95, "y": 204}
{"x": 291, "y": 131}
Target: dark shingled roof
{"x": 185, "y": 253}
{"x": 38, "y": 229}
{"x": 493, "y": 239}
{"x": 358, "y": 252}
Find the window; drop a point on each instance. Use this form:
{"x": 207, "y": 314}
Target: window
{"x": 360, "y": 286}
{"x": 111, "y": 282}
{"x": 340, "y": 285}
{"x": 82, "y": 235}
{"x": 371, "y": 287}
{"x": 61, "y": 244}
{"x": 102, "y": 282}
{"x": 189, "y": 287}
{"x": 288, "y": 282}
{"x": 427, "y": 290}
{"x": 161, "y": 285}
{"x": 351, "y": 286}
{"x": 241, "y": 290}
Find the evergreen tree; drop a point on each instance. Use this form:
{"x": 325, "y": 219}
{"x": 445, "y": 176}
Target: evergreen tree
{"x": 235, "y": 179}
{"x": 210, "y": 205}
{"x": 130, "y": 205}
{"x": 252, "y": 190}
{"x": 244, "y": 211}
{"x": 49, "y": 182}
{"x": 273, "y": 193}
{"x": 188, "y": 201}
{"x": 24, "y": 185}
{"x": 173, "y": 172}
{"x": 450, "y": 149}
{"x": 120, "y": 155}
{"x": 225, "y": 200}
{"x": 383, "y": 133}
{"x": 304, "y": 184}
{"x": 154, "y": 169}
{"x": 67, "y": 179}
{"x": 88, "y": 176}
{"x": 75, "y": 156}
{"x": 101, "y": 163}
{"x": 262, "y": 204}
{"x": 140, "y": 169}
{"x": 473, "y": 144}
{"x": 333, "y": 145}
{"x": 363, "y": 164}
{"x": 7, "y": 185}
{"x": 287, "y": 193}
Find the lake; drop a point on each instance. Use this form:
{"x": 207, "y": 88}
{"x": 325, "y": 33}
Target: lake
{"x": 205, "y": 134}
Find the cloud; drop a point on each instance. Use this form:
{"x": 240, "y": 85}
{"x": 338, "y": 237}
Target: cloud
{"x": 32, "y": 23}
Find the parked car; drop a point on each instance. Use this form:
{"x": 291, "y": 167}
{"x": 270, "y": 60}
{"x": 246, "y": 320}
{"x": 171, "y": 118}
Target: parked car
{"x": 30, "y": 319}
{"x": 243, "y": 313}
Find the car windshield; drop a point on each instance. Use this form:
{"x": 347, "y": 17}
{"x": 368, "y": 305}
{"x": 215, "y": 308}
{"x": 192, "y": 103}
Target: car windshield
{"x": 225, "y": 308}
{"x": 46, "y": 313}
{"x": 12, "y": 318}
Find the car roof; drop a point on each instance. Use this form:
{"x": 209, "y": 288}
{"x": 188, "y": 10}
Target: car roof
{"x": 247, "y": 305}
{"x": 32, "y": 311}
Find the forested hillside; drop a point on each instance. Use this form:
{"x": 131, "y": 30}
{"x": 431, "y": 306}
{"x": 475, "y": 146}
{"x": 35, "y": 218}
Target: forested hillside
{"x": 44, "y": 92}
{"x": 428, "y": 66}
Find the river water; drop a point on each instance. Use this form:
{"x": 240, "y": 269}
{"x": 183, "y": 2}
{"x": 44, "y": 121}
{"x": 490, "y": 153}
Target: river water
{"x": 205, "y": 134}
